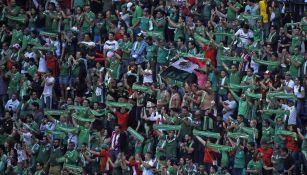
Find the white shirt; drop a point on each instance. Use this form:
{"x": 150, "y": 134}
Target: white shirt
{"x": 42, "y": 66}
{"x": 298, "y": 91}
{"x": 48, "y": 88}
{"x": 13, "y": 105}
{"x": 289, "y": 84}
{"x": 110, "y": 45}
{"x": 148, "y": 171}
{"x": 292, "y": 113}
{"x": 244, "y": 37}
{"x": 27, "y": 138}
{"x": 232, "y": 106}
{"x": 255, "y": 66}
{"x": 147, "y": 76}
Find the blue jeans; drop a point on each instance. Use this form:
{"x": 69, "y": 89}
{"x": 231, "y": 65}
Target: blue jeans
{"x": 238, "y": 171}
{"x": 113, "y": 154}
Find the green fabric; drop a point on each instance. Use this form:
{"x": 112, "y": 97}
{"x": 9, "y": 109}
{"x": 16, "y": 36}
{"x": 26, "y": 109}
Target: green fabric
{"x": 267, "y": 134}
{"x": 206, "y": 134}
{"x": 43, "y": 153}
{"x": 65, "y": 68}
{"x": 287, "y": 133}
{"x": 53, "y": 112}
{"x": 171, "y": 148}
{"x": 252, "y": 95}
{"x": 294, "y": 71}
{"x": 42, "y": 48}
{"x": 71, "y": 157}
{"x": 167, "y": 127}
{"x": 201, "y": 39}
{"x": 268, "y": 63}
{"x": 67, "y": 129}
{"x": 114, "y": 69}
{"x": 144, "y": 23}
{"x": 17, "y": 36}
{"x": 162, "y": 55}
{"x": 255, "y": 165}
{"x": 223, "y": 90}
{"x": 238, "y": 86}
{"x": 14, "y": 82}
{"x": 224, "y": 159}
{"x": 138, "y": 12}
{"x": 218, "y": 147}
{"x": 242, "y": 104}
{"x": 32, "y": 70}
{"x": 48, "y": 34}
{"x": 236, "y": 135}
{"x": 231, "y": 14}
{"x": 54, "y": 154}
{"x": 119, "y": 104}
{"x": 86, "y": 27}
{"x": 84, "y": 135}
{"x": 141, "y": 88}
{"x": 20, "y": 19}
{"x": 151, "y": 52}
{"x": 229, "y": 58}
{"x": 136, "y": 134}
{"x": 281, "y": 95}
{"x": 125, "y": 46}
{"x": 239, "y": 159}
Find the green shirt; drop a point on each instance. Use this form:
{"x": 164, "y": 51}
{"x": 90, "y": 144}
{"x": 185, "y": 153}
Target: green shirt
{"x": 160, "y": 29}
{"x": 86, "y": 26}
{"x": 125, "y": 46}
{"x": 277, "y": 140}
{"x": 138, "y": 12}
{"x": 151, "y": 52}
{"x": 255, "y": 165}
{"x": 170, "y": 148}
{"x": 71, "y": 157}
{"x": 32, "y": 69}
{"x": 144, "y": 23}
{"x": 14, "y": 82}
{"x": 162, "y": 55}
{"x": 231, "y": 14}
{"x": 54, "y": 155}
{"x": 17, "y": 36}
{"x": 78, "y": 3}
{"x": 239, "y": 161}
{"x": 267, "y": 134}
{"x": 64, "y": 68}
{"x": 43, "y": 153}
{"x": 84, "y": 134}
{"x": 294, "y": 71}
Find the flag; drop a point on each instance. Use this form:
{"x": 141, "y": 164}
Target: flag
{"x": 182, "y": 69}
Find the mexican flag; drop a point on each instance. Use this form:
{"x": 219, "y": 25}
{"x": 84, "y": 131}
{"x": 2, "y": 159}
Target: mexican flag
{"x": 182, "y": 69}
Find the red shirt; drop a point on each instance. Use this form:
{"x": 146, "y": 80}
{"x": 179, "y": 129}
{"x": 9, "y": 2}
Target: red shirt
{"x": 291, "y": 144}
{"x": 118, "y": 36}
{"x": 135, "y": 166}
{"x": 208, "y": 155}
{"x": 266, "y": 157}
{"x": 122, "y": 119}
{"x": 104, "y": 158}
{"x": 210, "y": 53}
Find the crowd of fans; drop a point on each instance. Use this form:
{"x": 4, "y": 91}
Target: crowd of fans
{"x": 86, "y": 91}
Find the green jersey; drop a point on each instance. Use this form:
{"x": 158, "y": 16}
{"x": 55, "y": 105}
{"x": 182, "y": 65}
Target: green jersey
{"x": 86, "y": 25}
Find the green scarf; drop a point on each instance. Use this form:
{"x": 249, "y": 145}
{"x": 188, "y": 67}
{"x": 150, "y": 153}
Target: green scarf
{"x": 136, "y": 134}
{"x": 167, "y": 127}
{"x": 49, "y": 34}
{"x": 141, "y": 88}
{"x": 252, "y": 95}
{"x": 20, "y": 19}
{"x": 119, "y": 104}
{"x": 206, "y": 134}
{"x": 236, "y": 135}
{"x": 268, "y": 63}
{"x": 229, "y": 58}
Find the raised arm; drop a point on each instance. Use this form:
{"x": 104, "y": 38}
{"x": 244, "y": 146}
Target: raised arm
{"x": 203, "y": 142}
